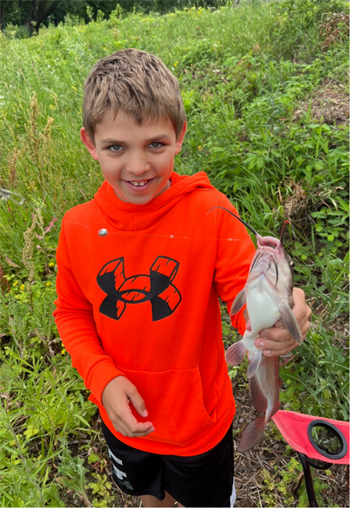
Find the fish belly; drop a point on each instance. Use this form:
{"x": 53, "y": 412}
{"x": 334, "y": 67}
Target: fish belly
{"x": 263, "y": 307}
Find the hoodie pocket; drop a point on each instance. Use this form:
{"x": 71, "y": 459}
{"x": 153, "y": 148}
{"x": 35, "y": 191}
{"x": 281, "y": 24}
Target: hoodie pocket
{"x": 175, "y": 403}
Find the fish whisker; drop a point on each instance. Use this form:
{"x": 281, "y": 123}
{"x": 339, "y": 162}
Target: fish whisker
{"x": 255, "y": 261}
{"x": 276, "y": 266}
{"x": 241, "y": 220}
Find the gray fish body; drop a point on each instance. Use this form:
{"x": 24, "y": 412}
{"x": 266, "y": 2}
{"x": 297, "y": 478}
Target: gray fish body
{"x": 268, "y": 295}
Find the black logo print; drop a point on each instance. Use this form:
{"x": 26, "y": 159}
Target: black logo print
{"x": 156, "y": 288}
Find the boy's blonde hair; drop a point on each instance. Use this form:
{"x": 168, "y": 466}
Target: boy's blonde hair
{"x": 135, "y": 82}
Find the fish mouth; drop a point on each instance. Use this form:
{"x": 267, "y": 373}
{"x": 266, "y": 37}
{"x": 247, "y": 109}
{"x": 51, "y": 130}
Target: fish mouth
{"x": 266, "y": 259}
{"x": 268, "y": 242}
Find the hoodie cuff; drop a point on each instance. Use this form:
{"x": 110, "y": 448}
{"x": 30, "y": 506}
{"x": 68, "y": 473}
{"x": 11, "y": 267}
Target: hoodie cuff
{"x": 103, "y": 373}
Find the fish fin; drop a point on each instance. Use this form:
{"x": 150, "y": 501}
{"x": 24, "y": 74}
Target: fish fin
{"x": 252, "y": 434}
{"x": 254, "y": 364}
{"x": 291, "y": 323}
{"x": 236, "y": 353}
{"x": 238, "y": 302}
{"x": 258, "y": 396}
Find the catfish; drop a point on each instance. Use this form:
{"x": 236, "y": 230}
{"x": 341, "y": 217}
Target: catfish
{"x": 268, "y": 294}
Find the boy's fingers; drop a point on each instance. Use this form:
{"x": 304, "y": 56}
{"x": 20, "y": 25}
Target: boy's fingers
{"x": 128, "y": 426}
{"x": 301, "y": 310}
{"x": 117, "y": 396}
{"x": 137, "y": 401}
{"x": 279, "y": 347}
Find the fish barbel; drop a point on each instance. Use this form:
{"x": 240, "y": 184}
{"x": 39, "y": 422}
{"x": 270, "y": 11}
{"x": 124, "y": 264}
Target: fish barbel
{"x": 268, "y": 295}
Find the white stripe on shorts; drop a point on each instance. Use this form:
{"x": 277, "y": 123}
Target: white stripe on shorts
{"x": 233, "y": 495}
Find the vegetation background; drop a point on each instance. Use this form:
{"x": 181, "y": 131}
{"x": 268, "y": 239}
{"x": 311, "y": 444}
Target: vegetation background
{"x": 265, "y": 91}
{"x": 30, "y": 15}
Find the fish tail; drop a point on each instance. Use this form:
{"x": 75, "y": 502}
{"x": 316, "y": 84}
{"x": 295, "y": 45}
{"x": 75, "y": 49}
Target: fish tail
{"x": 252, "y": 434}
{"x": 236, "y": 353}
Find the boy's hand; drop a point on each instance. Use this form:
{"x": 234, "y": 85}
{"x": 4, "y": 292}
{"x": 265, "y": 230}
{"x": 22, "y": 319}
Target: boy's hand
{"x": 277, "y": 340}
{"x": 116, "y": 398}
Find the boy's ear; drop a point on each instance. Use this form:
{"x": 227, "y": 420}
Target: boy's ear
{"x": 84, "y": 136}
{"x": 180, "y": 139}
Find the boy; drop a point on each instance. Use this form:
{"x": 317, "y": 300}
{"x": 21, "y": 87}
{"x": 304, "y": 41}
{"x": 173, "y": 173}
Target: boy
{"x": 140, "y": 268}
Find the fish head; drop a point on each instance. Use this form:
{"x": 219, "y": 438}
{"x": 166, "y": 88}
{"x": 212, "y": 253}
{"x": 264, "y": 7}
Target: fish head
{"x": 272, "y": 260}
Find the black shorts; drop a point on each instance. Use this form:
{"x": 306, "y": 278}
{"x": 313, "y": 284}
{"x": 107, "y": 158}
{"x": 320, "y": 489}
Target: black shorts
{"x": 200, "y": 480}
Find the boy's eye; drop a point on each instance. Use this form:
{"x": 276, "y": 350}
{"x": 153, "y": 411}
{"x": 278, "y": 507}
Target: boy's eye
{"x": 156, "y": 144}
{"x": 115, "y": 148}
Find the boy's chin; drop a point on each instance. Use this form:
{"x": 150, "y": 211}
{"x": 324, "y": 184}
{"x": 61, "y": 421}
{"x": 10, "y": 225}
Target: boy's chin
{"x": 135, "y": 200}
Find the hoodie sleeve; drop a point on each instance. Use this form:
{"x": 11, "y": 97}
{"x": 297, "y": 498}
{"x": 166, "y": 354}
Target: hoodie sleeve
{"x": 77, "y": 329}
{"x": 235, "y": 251}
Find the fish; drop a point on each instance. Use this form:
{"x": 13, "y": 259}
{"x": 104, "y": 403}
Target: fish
{"x": 268, "y": 294}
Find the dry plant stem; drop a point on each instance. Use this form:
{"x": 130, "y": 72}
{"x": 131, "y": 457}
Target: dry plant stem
{"x": 28, "y": 249}
{"x": 13, "y": 168}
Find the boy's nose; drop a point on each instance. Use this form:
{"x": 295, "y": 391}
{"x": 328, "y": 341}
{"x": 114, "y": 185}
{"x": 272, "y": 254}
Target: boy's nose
{"x": 137, "y": 165}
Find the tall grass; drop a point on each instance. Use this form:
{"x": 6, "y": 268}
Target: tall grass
{"x": 244, "y": 72}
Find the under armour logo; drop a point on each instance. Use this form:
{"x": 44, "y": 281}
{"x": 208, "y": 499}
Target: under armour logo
{"x": 156, "y": 288}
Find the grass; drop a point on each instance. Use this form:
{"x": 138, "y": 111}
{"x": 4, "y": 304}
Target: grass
{"x": 244, "y": 74}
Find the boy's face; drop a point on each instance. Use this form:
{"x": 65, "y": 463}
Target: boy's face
{"x": 136, "y": 160}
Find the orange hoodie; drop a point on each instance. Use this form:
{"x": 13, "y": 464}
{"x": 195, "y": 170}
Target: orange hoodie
{"x": 142, "y": 301}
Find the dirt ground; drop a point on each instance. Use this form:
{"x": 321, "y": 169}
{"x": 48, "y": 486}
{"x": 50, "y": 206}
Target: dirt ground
{"x": 329, "y": 104}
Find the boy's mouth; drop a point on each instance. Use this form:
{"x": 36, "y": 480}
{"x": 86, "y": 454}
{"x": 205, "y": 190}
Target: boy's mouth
{"x": 139, "y": 183}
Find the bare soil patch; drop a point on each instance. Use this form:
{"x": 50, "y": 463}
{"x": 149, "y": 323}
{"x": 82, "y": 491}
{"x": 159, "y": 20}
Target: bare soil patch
{"x": 328, "y": 104}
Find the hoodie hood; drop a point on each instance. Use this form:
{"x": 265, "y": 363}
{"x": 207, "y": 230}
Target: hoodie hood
{"x": 129, "y": 217}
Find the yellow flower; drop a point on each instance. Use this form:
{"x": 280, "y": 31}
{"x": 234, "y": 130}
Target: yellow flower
{"x": 15, "y": 283}
{"x": 63, "y": 352}
{"x": 200, "y": 148}
{"x": 22, "y": 288}
{"x": 51, "y": 264}
{"x": 175, "y": 64}
{"x": 48, "y": 283}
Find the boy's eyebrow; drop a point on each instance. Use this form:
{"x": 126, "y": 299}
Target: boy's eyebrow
{"x": 120, "y": 142}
